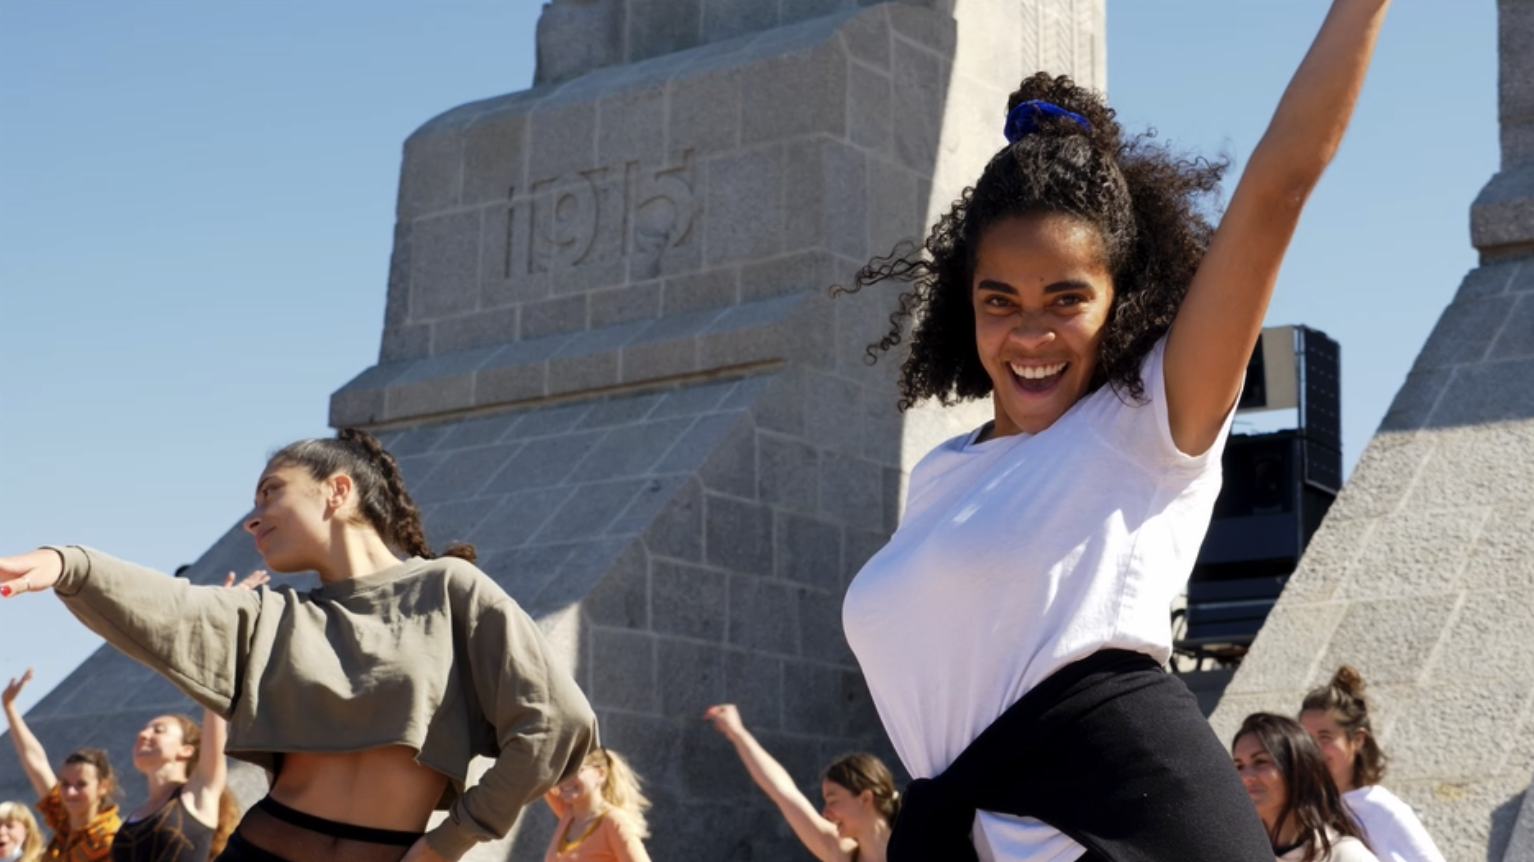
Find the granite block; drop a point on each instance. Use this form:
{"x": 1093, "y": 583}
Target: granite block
{"x": 648, "y": 504}
{"x": 1389, "y": 640}
{"x": 689, "y": 677}
{"x": 705, "y": 112}
{"x": 744, "y": 202}
{"x": 726, "y": 19}
{"x": 404, "y": 342}
{"x": 622, "y": 410}
{"x": 573, "y": 374}
{"x": 621, "y": 599}
{"x": 788, "y": 472}
{"x": 464, "y": 473}
{"x": 754, "y": 683}
{"x": 624, "y": 304}
{"x": 553, "y": 316}
{"x": 430, "y": 176}
{"x": 806, "y": 707}
{"x": 792, "y": 95}
{"x": 852, "y": 491}
{"x": 725, "y": 445}
{"x": 677, "y": 531}
{"x": 515, "y": 518}
{"x": 623, "y": 669}
{"x": 561, "y": 140}
{"x": 589, "y": 511}
{"x": 544, "y": 462}
{"x": 738, "y": 535}
{"x": 1463, "y": 331}
{"x": 631, "y": 126}
{"x": 1481, "y": 394}
{"x": 820, "y": 628}
{"x": 764, "y": 615}
{"x": 657, "y": 27}
{"x": 495, "y": 153}
{"x": 444, "y": 265}
{"x": 688, "y": 601}
{"x": 809, "y": 552}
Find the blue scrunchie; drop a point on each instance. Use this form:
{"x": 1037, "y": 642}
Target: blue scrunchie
{"x": 1023, "y": 119}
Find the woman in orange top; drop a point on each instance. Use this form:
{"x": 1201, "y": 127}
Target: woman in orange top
{"x": 601, "y": 813}
{"x": 77, "y": 804}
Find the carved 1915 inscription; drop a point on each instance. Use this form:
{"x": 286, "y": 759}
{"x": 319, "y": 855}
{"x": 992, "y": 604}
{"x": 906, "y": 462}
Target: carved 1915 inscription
{"x": 629, "y": 210}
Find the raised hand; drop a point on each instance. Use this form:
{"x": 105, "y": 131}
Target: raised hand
{"x": 250, "y": 582}
{"x": 31, "y": 572}
{"x": 726, "y": 719}
{"x": 14, "y": 688}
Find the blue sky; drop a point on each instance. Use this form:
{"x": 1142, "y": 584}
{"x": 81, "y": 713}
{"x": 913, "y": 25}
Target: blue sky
{"x": 196, "y": 210}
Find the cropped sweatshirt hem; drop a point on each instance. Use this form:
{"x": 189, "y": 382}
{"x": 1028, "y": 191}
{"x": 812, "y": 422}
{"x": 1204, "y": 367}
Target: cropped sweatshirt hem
{"x": 429, "y": 654}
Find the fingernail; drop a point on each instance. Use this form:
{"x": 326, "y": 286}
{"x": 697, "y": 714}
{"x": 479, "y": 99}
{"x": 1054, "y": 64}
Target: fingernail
{"x": 5, "y": 591}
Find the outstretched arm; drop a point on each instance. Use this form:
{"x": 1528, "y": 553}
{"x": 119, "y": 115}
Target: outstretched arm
{"x": 34, "y": 760}
{"x": 816, "y": 833}
{"x": 1217, "y": 327}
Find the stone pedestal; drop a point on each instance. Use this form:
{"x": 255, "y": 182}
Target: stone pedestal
{"x": 610, "y": 361}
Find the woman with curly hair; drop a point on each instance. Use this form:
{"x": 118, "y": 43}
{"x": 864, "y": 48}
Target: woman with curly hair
{"x": 1013, "y": 630}
{"x": 1336, "y": 716}
{"x": 367, "y": 697}
{"x": 1286, "y": 778}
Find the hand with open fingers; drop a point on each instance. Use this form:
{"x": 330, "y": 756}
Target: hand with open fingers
{"x": 725, "y": 718}
{"x": 14, "y": 688}
{"x": 31, "y": 572}
{"x": 250, "y": 582}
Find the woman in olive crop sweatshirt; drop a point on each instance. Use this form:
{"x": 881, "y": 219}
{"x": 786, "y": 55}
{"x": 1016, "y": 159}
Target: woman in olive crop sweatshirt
{"x": 366, "y": 697}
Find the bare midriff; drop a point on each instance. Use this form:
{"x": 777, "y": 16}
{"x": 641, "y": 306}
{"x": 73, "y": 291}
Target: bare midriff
{"x": 381, "y": 787}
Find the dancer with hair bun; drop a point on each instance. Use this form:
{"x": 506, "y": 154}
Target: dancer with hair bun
{"x": 366, "y": 697}
{"x": 601, "y": 811}
{"x": 1336, "y": 716}
{"x": 861, "y": 802}
{"x": 1013, "y": 631}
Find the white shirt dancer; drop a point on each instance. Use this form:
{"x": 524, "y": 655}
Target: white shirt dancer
{"x": 1078, "y": 286}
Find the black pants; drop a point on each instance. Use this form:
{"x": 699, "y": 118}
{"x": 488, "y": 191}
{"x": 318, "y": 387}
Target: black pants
{"x": 273, "y": 832}
{"x": 1110, "y": 750}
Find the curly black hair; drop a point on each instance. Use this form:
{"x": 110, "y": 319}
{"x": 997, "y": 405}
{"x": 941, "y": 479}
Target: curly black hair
{"x": 1145, "y": 201}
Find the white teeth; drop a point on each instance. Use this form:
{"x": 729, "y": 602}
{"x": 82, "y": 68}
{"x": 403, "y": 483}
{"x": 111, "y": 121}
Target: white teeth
{"x": 1036, "y": 372}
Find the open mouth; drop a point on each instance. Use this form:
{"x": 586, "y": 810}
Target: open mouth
{"x": 1037, "y": 378}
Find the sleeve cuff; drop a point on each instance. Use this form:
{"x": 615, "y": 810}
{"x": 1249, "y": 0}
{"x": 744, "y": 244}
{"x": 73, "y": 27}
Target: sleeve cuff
{"x": 449, "y": 840}
{"x": 77, "y": 569}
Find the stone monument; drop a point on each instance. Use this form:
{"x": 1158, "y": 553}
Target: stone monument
{"x": 610, "y": 361}
{"x": 1422, "y": 575}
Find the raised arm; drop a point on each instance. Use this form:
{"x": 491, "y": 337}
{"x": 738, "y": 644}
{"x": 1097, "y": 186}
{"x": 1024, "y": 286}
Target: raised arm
{"x": 1217, "y": 327}
{"x": 34, "y": 760}
{"x": 816, "y": 833}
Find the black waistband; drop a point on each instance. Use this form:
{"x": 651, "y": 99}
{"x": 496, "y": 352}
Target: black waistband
{"x": 334, "y": 829}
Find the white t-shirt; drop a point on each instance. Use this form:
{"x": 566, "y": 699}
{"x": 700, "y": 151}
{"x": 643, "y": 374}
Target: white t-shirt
{"x": 1390, "y": 826}
{"x": 1016, "y": 557}
{"x": 1345, "y": 848}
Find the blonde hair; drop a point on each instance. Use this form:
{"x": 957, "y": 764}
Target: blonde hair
{"x": 15, "y": 812}
{"x": 621, "y": 788}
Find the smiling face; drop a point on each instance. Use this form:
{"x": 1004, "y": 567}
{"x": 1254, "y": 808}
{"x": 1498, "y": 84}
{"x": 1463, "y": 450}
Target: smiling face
{"x": 162, "y": 741}
{"x": 583, "y": 789}
{"x": 849, "y": 812}
{"x": 1042, "y": 292}
{"x": 290, "y": 521}
{"x": 1337, "y": 746}
{"x": 13, "y": 837}
{"x": 1262, "y": 778}
{"x": 81, "y": 788}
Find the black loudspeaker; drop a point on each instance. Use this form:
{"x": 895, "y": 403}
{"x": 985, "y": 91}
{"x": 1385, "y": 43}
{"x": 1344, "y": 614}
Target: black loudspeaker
{"x": 1277, "y": 488}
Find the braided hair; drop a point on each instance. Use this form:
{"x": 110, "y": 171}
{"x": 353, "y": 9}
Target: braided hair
{"x": 382, "y": 500}
{"x": 1145, "y": 202}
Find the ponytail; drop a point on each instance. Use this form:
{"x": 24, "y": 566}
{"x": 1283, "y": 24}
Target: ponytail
{"x": 382, "y": 500}
{"x": 1343, "y": 699}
